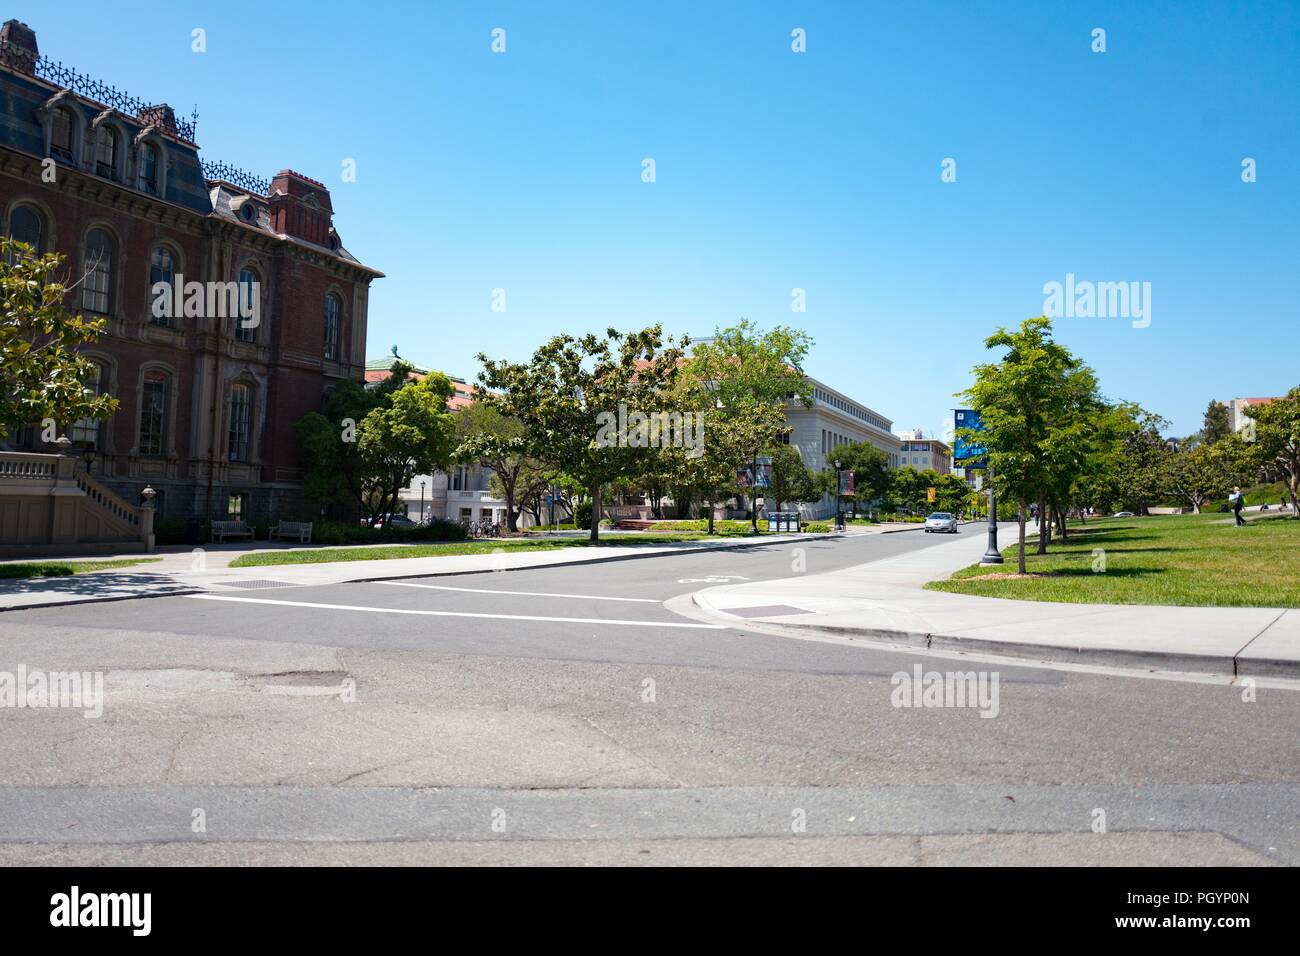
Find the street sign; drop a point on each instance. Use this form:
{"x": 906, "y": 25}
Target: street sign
{"x": 930, "y": 495}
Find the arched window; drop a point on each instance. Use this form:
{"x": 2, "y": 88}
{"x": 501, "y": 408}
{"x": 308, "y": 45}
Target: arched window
{"x": 162, "y": 268}
{"x": 250, "y": 301}
{"x": 97, "y": 287}
{"x": 153, "y": 412}
{"x": 61, "y": 135}
{"x": 106, "y": 152}
{"x": 27, "y": 225}
{"x": 149, "y": 168}
{"x": 333, "y": 311}
{"x": 241, "y": 413}
{"x": 85, "y": 432}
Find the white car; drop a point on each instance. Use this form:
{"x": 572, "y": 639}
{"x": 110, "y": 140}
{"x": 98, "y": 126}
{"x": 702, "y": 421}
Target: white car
{"x": 941, "y": 521}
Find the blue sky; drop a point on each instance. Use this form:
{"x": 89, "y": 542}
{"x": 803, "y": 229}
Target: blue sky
{"x": 775, "y": 170}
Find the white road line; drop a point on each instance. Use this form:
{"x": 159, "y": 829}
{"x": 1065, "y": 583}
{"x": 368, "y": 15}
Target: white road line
{"x": 588, "y": 597}
{"x": 499, "y": 617}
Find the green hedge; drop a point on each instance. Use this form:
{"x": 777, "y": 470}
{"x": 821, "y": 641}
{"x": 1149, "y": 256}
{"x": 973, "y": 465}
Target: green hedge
{"x": 337, "y": 532}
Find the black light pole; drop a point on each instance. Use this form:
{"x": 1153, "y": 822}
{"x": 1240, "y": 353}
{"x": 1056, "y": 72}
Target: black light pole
{"x": 839, "y": 517}
{"x": 992, "y": 555}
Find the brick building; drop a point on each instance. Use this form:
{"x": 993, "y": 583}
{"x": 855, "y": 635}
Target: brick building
{"x": 208, "y": 404}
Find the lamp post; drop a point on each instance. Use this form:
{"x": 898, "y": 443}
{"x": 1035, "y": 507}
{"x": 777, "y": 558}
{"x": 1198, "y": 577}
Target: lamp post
{"x": 421, "y": 502}
{"x": 991, "y": 554}
{"x": 839, "y": 516}
{"x": 88, "y": 456}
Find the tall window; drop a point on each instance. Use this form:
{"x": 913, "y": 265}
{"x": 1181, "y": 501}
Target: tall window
{"x": 153, "y": 412}
{"x": 250, "y": 292}
{"x": 241, "y": 407}
{"x": 97, "y": 287}
{"x": 61, "y": 135}
{"x": 162, "y": 268}
{"x": 149, "y": 168}
{"x": 26, "y": 225}
{"x": 106, "y": 152}
{"x": 332, "y": 309}
{"x": 86, "y": 431}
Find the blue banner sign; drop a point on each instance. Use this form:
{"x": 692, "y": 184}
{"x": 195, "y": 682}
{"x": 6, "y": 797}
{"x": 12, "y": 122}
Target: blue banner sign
{"x": 964, "y": 452}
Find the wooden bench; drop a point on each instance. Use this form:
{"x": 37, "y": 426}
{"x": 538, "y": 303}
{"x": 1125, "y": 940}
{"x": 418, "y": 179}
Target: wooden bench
{"x": 298, "y": 530}
{"x": 230, "y": 529}
{"x": 628, "y": 515}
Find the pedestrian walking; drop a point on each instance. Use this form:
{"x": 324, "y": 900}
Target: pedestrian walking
{"x": 1238, "y": 502}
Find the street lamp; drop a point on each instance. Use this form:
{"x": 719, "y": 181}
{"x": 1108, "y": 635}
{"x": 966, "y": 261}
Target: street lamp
{"x": 88, "y": 456}
{"x": 421, "y": 502}
{"x": 991, "y": 554}
{"x": 839, "y": 515}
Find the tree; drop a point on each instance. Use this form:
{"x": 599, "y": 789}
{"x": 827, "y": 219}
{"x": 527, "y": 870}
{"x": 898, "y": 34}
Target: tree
{"x": 1203, "y": 472}
{"x": 1216, "y": 426}
{"x": 561, "y": 395}
{"x": 1023, "y": 401}
{"x": 1142, "y": 475}
{"x": 752, "y": 376}
{"x": 42, "y": 375}
{"x": 1277, "y": 441}
{"x": 370, "y": 443}
{"x": 791, "y": 478}
{"x": 496, "y": 441}
{"x": 870, "y": 467}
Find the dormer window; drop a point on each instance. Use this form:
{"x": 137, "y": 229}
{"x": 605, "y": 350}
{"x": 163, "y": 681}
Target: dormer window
{"x": 106, "y": 152}
{"x": 247, "y": 213}
{"x": 149, "y": 168}
{"x": 61, "y": 135}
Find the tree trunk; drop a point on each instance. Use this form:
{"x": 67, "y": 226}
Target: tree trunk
{"x": 1060, "y": 520}
{"x": 595, "y": 512}
{"x": 512, "y": 517}
{"x": 710, "y": 516}
{"x": 1044, "y": 526}
{"x": 1020, "y": 557}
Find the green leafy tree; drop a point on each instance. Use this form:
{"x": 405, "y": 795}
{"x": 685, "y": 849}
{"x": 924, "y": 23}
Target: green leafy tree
{"x": 1022, "y": 399}
{"x": 870, "y": 467}
{"x": 499, "y": 442}
{"x": 1205, "y": 471}
{"x": 1276, "y": 440}
{"x": 42, "y": 374}
{"x": 752, "y": 377}
{"x": 370, "y": 443}
{"x": 1216, "y": 426}
{"x": 561, "y": 395}
{"x": 792, "y": 480}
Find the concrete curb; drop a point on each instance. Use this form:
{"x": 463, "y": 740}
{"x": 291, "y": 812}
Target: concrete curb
{"x": 1233, "y": 666}
{"x": 672, "y": 551}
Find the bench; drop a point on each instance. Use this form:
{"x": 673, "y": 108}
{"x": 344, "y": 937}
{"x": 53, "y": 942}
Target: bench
{"x": 230, "y": 529}
{"x": 628, "y": 515}
{"x": 298, "y": 530}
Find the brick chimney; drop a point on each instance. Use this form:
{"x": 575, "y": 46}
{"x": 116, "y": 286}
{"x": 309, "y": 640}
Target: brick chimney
{"x": 300, "y": 207}
{"x": 18, "y": 47}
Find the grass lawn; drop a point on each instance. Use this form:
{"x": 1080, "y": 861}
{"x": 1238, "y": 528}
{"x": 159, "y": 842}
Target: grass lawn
{"x": 60, "y": 569}
{"x": 1194, "y": 560}
{"x": 480, "y": 546}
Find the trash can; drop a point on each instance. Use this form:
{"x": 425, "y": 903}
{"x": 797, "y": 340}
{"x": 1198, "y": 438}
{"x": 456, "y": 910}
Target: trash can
{"x": 194, "y": 531}
{"x": 773, "y": 521}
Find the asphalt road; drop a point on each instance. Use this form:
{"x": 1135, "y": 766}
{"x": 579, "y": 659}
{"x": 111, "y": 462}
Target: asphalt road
{"x": 565, "y": 715}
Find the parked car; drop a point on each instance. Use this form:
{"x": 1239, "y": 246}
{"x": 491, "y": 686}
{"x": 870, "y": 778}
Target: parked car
{"x": 941, "y": 521}
{"x": 1123, "y": 514}
{"x": 394, "y": 521}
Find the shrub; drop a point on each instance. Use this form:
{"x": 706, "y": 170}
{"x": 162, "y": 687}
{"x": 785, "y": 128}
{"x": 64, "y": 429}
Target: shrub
{"x": 582, "y": 516}
{"x": 818, "y": 527}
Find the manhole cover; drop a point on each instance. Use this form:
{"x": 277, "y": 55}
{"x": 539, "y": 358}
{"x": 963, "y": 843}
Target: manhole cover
{"x": 767, "y": 610}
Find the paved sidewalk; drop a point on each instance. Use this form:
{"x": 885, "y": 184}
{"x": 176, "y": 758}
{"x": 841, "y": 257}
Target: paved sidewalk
{"x": 178, "y": 573}
{"x": 885, "y": 600}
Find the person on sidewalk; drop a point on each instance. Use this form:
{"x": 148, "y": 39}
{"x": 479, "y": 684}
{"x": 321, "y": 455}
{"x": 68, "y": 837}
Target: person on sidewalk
{"x": 1238, "y": 502}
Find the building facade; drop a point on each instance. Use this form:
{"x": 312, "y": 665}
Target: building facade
{"x": 208, "y": 399}
{"x": 917, "y": 451}
{"x": 835, "y": 419}
{"x": 1239, "y": 411}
